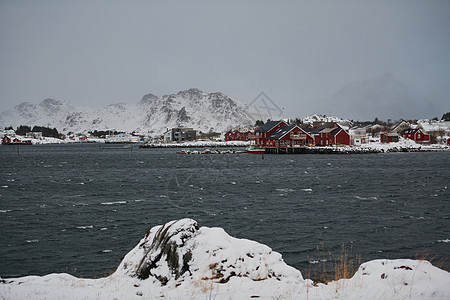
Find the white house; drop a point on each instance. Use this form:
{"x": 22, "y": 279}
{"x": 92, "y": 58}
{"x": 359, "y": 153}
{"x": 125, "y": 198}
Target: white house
{"x": 358, "y": 136}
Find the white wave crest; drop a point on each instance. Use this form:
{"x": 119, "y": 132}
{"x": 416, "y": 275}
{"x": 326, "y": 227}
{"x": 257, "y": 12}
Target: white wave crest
{"x": 112, "y": 203}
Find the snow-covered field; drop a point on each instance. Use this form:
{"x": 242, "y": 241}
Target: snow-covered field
{"x": 404, "y": 144}
{"x": 180, "y": 260}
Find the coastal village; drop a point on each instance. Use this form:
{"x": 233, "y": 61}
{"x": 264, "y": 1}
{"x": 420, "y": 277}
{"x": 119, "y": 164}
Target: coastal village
{"x": 279, "y": 136}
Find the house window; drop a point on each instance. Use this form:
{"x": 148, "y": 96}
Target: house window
{"x": 418, "y": 136}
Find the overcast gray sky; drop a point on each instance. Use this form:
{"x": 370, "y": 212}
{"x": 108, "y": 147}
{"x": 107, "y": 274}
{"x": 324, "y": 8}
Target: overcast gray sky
{"x": 109, "y": 51}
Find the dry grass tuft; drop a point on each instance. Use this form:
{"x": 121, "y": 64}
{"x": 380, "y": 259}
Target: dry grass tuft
{"x": 435, "y": 260}
{"x": 331, "y": 267}
{"x": 345, "y": 266}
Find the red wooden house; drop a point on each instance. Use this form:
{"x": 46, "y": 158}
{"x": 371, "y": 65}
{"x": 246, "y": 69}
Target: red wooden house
{"x": 340, "y": 137}
{"x": 416, "y": 135}
{"x": 230, "y": 136}
{"x": 8, "y": 140}
{"x": 289, "y": 136}
{"x": 236, "y": 136}
{"x": 332, "y": 136}
{"x": 329, "y": 136}
{"x": 264, "y": 131}
{"x": 249, "y": 135}
{"x": 389, "y": 137}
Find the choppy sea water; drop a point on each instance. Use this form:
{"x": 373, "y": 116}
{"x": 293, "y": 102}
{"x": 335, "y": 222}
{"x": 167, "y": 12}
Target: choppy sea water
{"x": 80, "y": 208}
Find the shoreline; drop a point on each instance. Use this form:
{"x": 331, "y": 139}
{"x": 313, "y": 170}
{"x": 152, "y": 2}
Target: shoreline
{"x": 370, "y": 148}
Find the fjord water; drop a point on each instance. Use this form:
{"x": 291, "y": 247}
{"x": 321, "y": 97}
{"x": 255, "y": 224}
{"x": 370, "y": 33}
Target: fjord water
{"x": 80, "y": 208}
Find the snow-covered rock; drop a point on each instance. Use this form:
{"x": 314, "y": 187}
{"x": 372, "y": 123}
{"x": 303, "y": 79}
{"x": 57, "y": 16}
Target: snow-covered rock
{"x": 180, "y": 260}
{"x": 181, "y": 250}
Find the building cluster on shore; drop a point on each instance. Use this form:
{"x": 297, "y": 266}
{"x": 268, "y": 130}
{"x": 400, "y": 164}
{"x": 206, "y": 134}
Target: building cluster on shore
{"x": 273, "y": 136}
{"x": 281, "y": 136}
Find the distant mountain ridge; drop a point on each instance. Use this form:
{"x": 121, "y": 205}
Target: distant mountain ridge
{"x": 383, "y": 96}
{"x": 190, "y": 108}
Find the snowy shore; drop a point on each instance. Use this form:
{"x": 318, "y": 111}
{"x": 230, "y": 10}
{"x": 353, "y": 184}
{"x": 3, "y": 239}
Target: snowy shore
{"x": 198, "y": 144}
{"x": 404, "y": 145}
{"x": 180, "y": 260}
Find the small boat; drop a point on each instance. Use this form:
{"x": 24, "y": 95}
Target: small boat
{"x": 122, "y": 138}
{"x": 254, "y": 150}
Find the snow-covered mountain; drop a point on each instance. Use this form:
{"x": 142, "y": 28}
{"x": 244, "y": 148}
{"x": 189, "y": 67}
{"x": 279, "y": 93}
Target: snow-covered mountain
{"x": 383, "y": 96}
{"x": 190, "y": 108}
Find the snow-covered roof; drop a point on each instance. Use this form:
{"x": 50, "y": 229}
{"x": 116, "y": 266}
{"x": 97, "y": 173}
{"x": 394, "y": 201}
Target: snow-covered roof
{"x": 357, "y": 131}
{"x": 399, "y": 123}
{"x": 327, "y": 130}
{"x": 434, "y": 126}
{"x": 373, "y": 126}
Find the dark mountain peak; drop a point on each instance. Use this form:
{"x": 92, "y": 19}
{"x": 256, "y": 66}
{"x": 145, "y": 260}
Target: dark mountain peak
{"x": 191, "y": 93}
{"x": 25, "y": 105}
{"x": 51, "y": 102}
{"x": 149, "y": 98}
{"x": 217, "y": 95}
